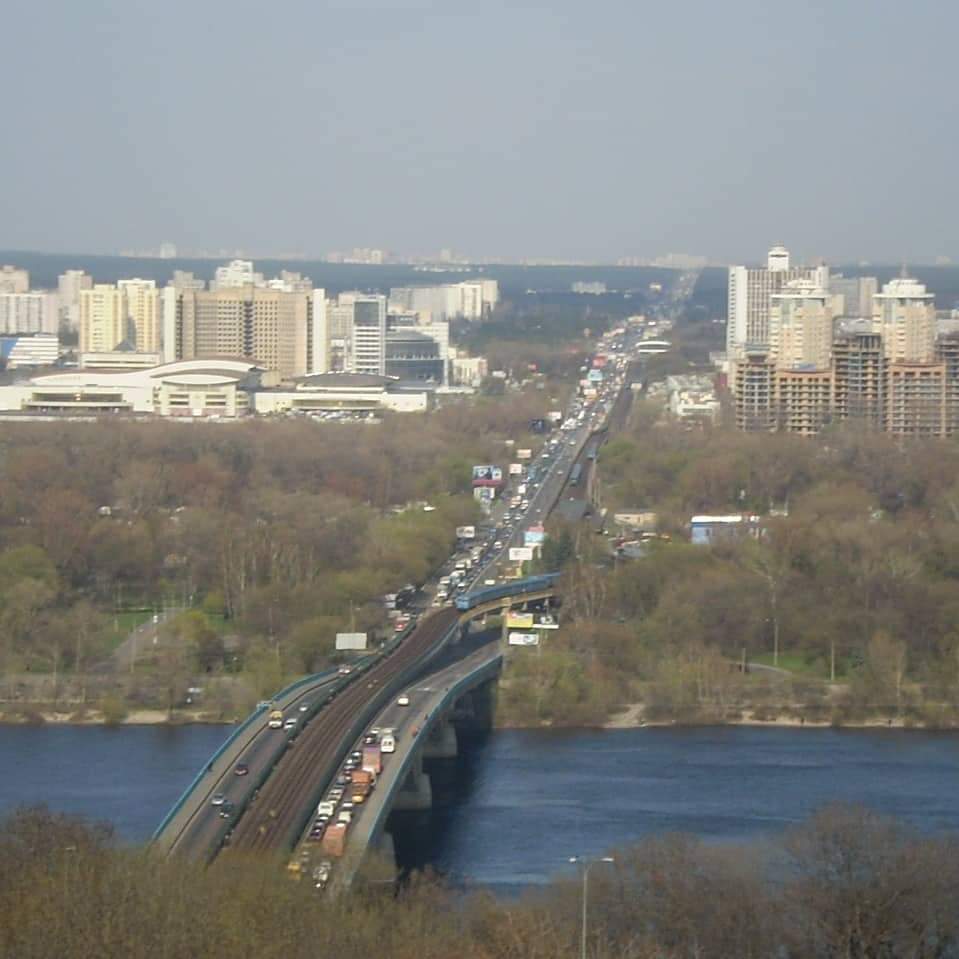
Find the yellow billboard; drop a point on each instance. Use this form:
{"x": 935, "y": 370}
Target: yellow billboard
{"x": 519, "y": 620}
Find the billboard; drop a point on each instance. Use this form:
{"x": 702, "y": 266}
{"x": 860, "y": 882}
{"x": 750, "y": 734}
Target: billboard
{"x": 524, "y": 454}
{"x": 520, "y": 554}
{"x": 484, "y": 493}
{"x": 519, "y": 620}
{"x": 595, "y": 376}
{"x": 555, "y": 416}
{"x": 523, "y": 639}
{"x": 515, "y": 469}
{"x": 547, "y": 622}
{"x": 487, "y": 475}
{"x": 466, "y": 532}
{"x": 351, "y": 641}
{"x": 534, "y": 536}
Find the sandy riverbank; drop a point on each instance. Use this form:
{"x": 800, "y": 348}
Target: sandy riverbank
{"x": 93, "y": 717}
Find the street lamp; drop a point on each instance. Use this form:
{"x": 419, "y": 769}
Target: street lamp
{"x": 587, "y": 864}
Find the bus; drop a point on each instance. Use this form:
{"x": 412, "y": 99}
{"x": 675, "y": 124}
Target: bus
{"x": 575, "y": 474}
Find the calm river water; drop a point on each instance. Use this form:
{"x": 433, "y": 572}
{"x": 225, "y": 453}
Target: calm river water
{"x": 518, "y": 804}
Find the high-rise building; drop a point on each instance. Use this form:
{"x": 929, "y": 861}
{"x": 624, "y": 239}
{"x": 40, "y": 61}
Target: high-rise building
{"x": 754, "y": 392}
{"x": 13, "y": 279}
{"x": 947, "y": 353}
{"x": 856, "y": 292}
{"x": 750, "y": 293}
{"x": 417, "y": 350}
{"x": 471, "y": 299}
{"x": 368, "y": 353}
{"x": 859, "y": 380}
{"x": 142, "y": 304}
{"x": 103, "y": 320}
{"x": 69, "y": 285}
{"x": 803, "y": 400}
{"x": 236, "y": 273}
{"x": 801, "y": 326}
{"x": 185, "y": 280}
{"x": 29, "y": 313}
{"x": 272, "y": 327}
{"x": 916, "y": 399}
{"x": 905, "y": 314}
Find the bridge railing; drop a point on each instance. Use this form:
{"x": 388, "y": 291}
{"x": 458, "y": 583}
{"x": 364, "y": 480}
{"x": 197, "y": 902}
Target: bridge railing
{"x": 230, "y": 740}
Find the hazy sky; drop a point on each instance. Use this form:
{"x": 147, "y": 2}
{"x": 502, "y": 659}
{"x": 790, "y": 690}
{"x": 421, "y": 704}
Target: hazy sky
{"x": 589, "y": 129}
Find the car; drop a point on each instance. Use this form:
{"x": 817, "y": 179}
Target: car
{"x": 290, "y": 723}
{"x": 345, "y": 670}
{"x": 348, "y": 805}
{"x": 335, "y": 794}
{"x": 341, "y": 780}
{"x": 369, "y": 739}
{"x": 350, "y": 765}
{"x": 498, "y": 544}
{"x": 241, "y": 769}
{"x": 403, "y": 700}
{"x": 217, "y": 799}
{"x": 304, "y": 707}
{"x": 356, "y": 754}
{"x": 226, "y": 809}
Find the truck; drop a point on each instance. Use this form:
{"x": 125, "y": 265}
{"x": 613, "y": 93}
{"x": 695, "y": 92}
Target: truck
{"x": 334, "y": 839}
{"x": 276, "y": 719}
{"x": 372, "y": 760}
{"x": 359, "y": 792}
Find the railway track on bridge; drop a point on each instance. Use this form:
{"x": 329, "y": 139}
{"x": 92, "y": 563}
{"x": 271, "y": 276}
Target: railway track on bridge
{"x": 274, "y": 820}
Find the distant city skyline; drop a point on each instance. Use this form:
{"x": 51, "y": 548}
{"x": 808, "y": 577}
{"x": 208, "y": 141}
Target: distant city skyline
{"x": 505, "y": 131}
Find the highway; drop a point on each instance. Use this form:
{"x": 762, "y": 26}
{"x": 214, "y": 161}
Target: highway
{"x": 287, "y": 771}
{"x": 197, "y": 827}
{"x": 278, "y": 812}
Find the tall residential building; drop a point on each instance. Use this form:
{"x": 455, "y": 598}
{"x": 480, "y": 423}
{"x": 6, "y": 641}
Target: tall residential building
{"x": 319, "y": 346}
{"x": 142, "y": 303}
{"x": 801, "y": 326}
{"x": 947, "y": 353}
{"x": 29, "y": 313}
{"x": 13, "y": 279}
{"x": 916, "y": 399}
{"x": 859, "y": 380}
{"x": 272, "y": 327}
{"x": 856, "y": 292}
{"x": 803, "y": 400}
{"x": 368, "y": 354}
{"x": 103, "y": 320}
{"x": 750, "y": 292}
{"x": 905, "y": 314}
{"x": 754, "y": 391}
{"x": 185, "y": 280}
{"x": 69, "y": 285}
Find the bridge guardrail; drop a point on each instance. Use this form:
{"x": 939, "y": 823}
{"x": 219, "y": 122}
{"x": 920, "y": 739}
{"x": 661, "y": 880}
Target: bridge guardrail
{"x": 454, "y": 691}
{"x": 238, "y": 731}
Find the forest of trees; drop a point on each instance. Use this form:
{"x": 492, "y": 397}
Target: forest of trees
{"x": 272, "y": 534}
{"x": 852, "y": 590}
{"x": 847, "y": 884}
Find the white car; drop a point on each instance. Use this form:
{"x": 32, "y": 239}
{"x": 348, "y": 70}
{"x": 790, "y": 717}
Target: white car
{"x": 290, "y": 724}
{"x": 404, "y": 700}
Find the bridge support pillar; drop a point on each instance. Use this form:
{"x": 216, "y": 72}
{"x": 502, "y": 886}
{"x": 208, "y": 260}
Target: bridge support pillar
{"x": 441, "y": 742}
{"x": 417, "y": 793}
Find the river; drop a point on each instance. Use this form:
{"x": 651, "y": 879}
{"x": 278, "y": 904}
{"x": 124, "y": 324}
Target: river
{"x": 517, "y": 804}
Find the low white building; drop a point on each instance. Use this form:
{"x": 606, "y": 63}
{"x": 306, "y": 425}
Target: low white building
{"x": 341, "y": 392}
{"x": 189, "y": 388}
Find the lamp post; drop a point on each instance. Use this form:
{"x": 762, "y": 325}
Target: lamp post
{"x": 587, "y": 864}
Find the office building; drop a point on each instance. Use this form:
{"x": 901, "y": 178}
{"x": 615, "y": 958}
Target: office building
{"x": 750, "y": 293}
{"x": 142, "y": 304}
{"x": 856, "y": 292}
{"x": 904, "y": 313}
{"x": 801, "y": 326}
{"x": 69, "y": 285}
{"x": 29, "y": 313}
{"x": 368, "y": 334}
{"x": 13, "y": 279}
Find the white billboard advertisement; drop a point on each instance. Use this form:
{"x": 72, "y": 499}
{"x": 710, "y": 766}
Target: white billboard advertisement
{"x": 515, "y": 469}
{"x": 524, "y": 454}
{"x": 523, "y": 639}
{"x": 466, "y": 532}
{"x": 487, "y": 474}
{"x": 351, "y": 641}
{"x": 520, "y": 554}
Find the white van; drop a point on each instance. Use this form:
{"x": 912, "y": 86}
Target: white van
{"x": 387, "y": 743}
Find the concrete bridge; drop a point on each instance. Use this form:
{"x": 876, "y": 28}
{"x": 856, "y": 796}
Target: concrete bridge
{"x": 285, "y": 771}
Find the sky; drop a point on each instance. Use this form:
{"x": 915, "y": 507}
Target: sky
{"x": 497, "y": 129}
